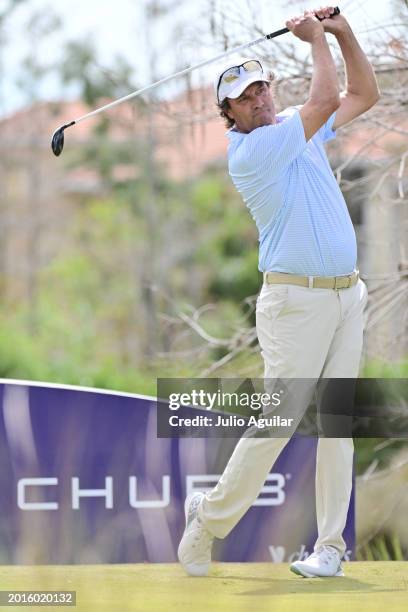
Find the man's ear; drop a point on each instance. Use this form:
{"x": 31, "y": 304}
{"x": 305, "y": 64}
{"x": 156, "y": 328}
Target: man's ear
{"x": 228, "y": 112}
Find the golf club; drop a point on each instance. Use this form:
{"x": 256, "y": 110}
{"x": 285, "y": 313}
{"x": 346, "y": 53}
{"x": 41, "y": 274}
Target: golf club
{"x": 57, "y": 143}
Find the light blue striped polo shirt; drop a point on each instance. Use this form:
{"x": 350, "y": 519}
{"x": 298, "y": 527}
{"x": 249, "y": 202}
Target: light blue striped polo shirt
{"x": 287, "y": 184}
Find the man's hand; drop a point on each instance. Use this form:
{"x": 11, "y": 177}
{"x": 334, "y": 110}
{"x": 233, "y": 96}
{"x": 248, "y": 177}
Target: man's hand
{"x": 324, "y": 90}
{"x": 306, "y": 27}
{"x": 334, "y": 25}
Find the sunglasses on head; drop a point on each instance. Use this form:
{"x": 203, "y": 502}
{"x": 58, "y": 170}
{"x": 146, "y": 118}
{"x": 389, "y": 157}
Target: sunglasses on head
{"x": 232, "y": 74}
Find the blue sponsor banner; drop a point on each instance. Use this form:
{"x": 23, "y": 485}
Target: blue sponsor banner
{"x": 85, "y": 479}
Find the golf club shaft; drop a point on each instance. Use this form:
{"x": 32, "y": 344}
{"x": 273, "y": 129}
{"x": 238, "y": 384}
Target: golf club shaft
{"x": 178, "y": 74}
{"x": 186, "y": 71}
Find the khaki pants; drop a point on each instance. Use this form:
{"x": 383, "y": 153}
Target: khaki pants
{"x": 303, "y": 333}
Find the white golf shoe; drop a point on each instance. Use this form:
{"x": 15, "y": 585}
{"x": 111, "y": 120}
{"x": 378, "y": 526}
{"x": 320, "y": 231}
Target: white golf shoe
{"x": 194, "y": 551}
{"x": 323, "y": 562}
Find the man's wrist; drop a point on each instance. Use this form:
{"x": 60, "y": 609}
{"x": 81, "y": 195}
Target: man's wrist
{"x": 344, "y": 34}
{"x": 318, "y": 37}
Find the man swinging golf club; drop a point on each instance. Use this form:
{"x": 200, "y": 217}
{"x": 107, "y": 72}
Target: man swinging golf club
{"x": 310, "y": 309}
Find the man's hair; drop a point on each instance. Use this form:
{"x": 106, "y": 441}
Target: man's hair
{"x": 225, "y": 106}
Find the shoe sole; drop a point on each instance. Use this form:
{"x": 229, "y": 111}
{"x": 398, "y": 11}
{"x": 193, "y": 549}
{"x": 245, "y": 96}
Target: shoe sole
{"x": 305, "y": 574}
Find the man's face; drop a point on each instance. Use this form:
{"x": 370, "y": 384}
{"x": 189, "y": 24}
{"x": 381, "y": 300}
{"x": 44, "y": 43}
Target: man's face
{"x": 254, "y": 107}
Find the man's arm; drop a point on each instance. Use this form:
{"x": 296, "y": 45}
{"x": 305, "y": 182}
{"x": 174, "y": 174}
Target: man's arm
{"x": 324, "y": 91}
{"x": 361, "y": 91}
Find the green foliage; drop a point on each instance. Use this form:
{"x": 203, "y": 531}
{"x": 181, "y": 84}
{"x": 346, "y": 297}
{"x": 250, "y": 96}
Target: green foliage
{"x": 378, "y": 450}
{"x": 206, "y": 199}
{"x": 382, "y": 369}
{"x": 81, "y": 66}
{"x": 50, "y": 358}
{"x": 382, "y": 547}
{"x": 237, "y": 278}
{"x": 375, "y": 449}
{"x": 232, "y": 247}
{"x": 20, "y": 357}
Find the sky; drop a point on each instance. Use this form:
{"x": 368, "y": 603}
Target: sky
{"x": 119, "y": 28}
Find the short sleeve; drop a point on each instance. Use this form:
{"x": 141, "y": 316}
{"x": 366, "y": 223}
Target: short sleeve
{"x": 326, "y": 132}
{"x": 272, "y": 148}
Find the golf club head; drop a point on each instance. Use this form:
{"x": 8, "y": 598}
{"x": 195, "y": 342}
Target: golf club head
{"x": 57, "y": 143}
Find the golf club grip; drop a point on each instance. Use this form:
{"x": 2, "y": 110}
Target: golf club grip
{"x": 285, "y": 30}
{"x": 335, "y": 12}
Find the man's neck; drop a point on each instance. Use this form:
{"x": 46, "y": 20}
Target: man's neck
{"x": 235, "y": 128}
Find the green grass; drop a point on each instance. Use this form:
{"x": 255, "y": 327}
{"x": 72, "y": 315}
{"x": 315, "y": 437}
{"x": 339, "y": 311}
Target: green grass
{"x": 231, "y": 587}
